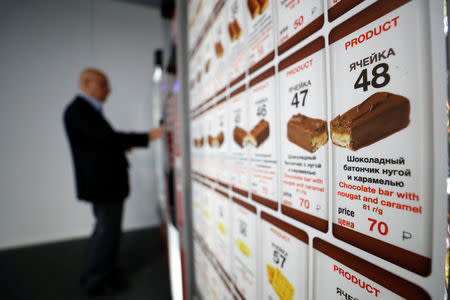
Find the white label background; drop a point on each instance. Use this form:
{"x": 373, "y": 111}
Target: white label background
{"x": 244, "y": 268}
{"x": 240, "y": 162}
{"x": 408, "y": 78}
{"x": 222, "y": 119}
{"x": 238, "y": 53}
{"x": 264, "y": 94}
{"x": 295, "y": 267}
{"x": 223, "y": 240}
{"x": 308, "y": 9}
{"x": 260, "y": 34}
{"x": 315, "y": 107}
{"x": 324, "y": 273}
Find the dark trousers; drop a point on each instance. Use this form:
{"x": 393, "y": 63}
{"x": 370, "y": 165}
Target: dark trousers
{"x": 103, "y": 246}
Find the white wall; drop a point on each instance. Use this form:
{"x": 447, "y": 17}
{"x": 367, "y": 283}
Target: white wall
{"x": 44, "y": 46}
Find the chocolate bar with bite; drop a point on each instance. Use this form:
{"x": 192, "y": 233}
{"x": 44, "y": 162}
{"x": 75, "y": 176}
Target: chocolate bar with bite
{"x": 239, "y": 134}
{"x": 237, "y": 29}
{"x": 232, "y": 31}
{"x": 307, "y": 133}
{"x": 258, "y": 134}
{"x": 218, "y": 141}
{"x": 263, "y": 5}
{"x": 219, "y": 49}
{"x": 377, "y": 117}
{"x": 253, "y": 7}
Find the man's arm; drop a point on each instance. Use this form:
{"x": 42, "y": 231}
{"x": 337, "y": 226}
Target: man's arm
{"x": 129, "y": 140}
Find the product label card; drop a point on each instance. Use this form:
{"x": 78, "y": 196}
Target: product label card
{"x": 260, "y": 29}
{"x": 197, "y": 222}
{"x": 339, "y": 270}
{"x": 285, "y": 262}
{"x": 223, "y": 228}
{"x": 239, "y": 153}
{"x": 221, "y": 49}
{"x": 210, "y": 151}
{"x": 222, "y": 141}
{"x": 295, "y": 16}
{"x": 208, "y": 232}
{"x": 236, "y": 37}
{"x": 244, "y": 250}
{"x": 262, "y": 139}
{"x": 380, "y": 108}
{"x": 304, "y": 135}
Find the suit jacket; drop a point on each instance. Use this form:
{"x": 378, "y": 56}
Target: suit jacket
{"x": 98, "y": 152}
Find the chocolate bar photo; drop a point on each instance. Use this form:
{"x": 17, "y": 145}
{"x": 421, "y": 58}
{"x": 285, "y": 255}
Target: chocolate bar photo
{"x": 376, "y": 118}
{"x": 232, "y": 31}
{"x": 253, "y": 7}
{"x": 258, "y": 134}
{"x": 239, "y": 134}
{"x": 237, "y": 29}
{"x": 307, "y": 133}
{"x": 218, "y": 141}
{"x": 210, "y": 140}
{"x": 263, "y": 5}
{"x": 207, "y": 64}
{"x": 219, "y": 49}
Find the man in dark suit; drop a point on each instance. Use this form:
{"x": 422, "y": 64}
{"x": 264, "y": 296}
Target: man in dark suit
{"x": 101, "y": 176}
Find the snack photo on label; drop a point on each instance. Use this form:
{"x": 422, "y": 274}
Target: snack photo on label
{"x": 280, "y": 283}
{"x": 219, "y": 49}
{"x": 239, "y": 134}
{"x": 198, "y": 142}
{"x": 376, "y": 118}
{"x": 258, "y": 134}
{"x": 210, "y": 140}
{"x": 307, "y": 133}
{"x": 257, "y": 7}
{"x": 253, "y": 8}
{"x": 218, "y": 140}
{"x": 234, "y": 30}
{"x": 243, "y": 247}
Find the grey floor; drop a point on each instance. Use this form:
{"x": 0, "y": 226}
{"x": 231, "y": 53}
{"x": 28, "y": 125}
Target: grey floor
{"x": 51, "y": 271}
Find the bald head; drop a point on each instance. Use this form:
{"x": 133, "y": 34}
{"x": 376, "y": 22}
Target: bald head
{"x": 94, "y": 83}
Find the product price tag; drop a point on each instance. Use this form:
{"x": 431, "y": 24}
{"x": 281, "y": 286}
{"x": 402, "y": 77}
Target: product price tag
{"x": 297, "y": 20}
{"x": 260, "y": 32}
{"x": 236, "y": 24}
{"x": 239, "y": 129}
{"x": 285, "y": 260}
{"x": 244, "y": 248}
{"x": 262, "y": 139}
{"x": 223, "y": 228}
{"x": 222, "y": 140}
{"x": 304, "y": 135}
{"x": 380, "y": 108}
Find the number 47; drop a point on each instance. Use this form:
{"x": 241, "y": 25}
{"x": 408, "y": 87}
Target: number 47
{"x": 295, "y": 102}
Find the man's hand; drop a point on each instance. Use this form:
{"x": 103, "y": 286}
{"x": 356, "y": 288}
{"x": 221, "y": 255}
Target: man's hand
{"x": 156, "y": 133}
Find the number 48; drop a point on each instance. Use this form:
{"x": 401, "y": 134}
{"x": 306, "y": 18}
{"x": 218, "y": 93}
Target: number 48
{"x": 379, "y": 71}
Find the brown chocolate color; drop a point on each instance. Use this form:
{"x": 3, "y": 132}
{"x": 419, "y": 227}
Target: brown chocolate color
{"x": 260, "y": 132}
{"x": 302, "y": 34}
{"x": 406, "y": 259}
{"x": 253, "y": 8}
{"x": 301, "y": 130}
{"x": 239, "y": 135}
{"x": 310, "y": 49}
{"x": 237, "y": 28}
{"x": 220, "y": 138}
{"x": 210, "y": 140}
{"x": 379, "y": 116}
{"x": 247, "y": 206}
{"x": 263, "y": 5}
{"x": 232, "y": 31}
{"x": 305, "y": 218}
{"x": 264, "y": 201}
{"x": 341, "y": 8}
{"x": 366, "y": 16}
{"x": 392, "y": 282}
{"x": 219, "y": 49}
{"x": 292, "y": 230}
